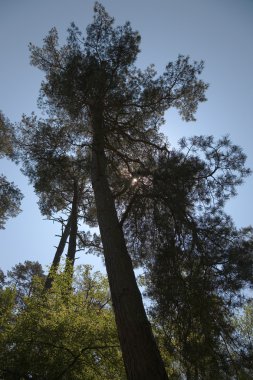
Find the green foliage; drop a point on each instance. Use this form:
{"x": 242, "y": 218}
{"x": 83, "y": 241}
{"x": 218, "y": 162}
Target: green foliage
{"x": 196, "y": 262}
{"x": 100, "y": 70}
{"x": 169, "y": 202}
{"x": 22, "y": 277}
{"x": 244, "y": 351}
{"x": 62, "y": 333}
{"x": 10, "y": 195}
{"x": 10, "y": 200}
{"x": 51, "y": 164}
{"x": 6, "y": 137}
{"x": 245, "y": 323}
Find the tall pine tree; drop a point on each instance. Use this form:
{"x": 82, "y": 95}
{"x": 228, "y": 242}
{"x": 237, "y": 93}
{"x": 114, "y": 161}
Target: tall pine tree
{"x": 95, "y": 82}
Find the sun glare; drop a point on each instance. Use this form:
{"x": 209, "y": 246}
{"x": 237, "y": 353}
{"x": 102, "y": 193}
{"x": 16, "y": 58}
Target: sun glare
{"x": 134, "y": 181}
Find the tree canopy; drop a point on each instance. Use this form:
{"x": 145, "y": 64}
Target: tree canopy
{"x": 98, "y": 158}
{"x": 10, "y": 195}
{"x": 59, "y": 334}
{"x": 93, "y": 81}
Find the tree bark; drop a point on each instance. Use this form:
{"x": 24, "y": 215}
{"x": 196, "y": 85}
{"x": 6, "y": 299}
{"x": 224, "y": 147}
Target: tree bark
{"x": 57, "y": 256}
{"x": 140, "y": 353}
{"x": 70, "y": 257}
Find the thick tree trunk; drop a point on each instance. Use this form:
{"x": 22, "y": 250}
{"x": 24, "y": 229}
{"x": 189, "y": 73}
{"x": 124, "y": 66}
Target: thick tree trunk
{"x": 70, "y": 257}
{"x": 57, "y": 256}
{"x": 140, "y": 353}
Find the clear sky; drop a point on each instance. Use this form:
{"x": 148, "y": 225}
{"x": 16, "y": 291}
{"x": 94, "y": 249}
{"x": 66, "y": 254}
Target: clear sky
{"x": 218, "y": 31}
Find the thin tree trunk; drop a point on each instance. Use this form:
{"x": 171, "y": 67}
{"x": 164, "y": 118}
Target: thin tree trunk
{"x": 58, "y": 255}
{"x": 140, "y": 353}
{"x": 70, "y": 257}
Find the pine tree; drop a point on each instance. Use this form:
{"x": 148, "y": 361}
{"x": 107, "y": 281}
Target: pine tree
{"x": 95, "y": 82}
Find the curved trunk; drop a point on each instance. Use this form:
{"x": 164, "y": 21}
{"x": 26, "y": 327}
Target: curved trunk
{"x": 57, "y": 256}
{"x": 140, "y": 353}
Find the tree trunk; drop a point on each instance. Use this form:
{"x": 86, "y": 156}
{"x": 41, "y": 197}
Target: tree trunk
{"x": 140, "y": 353}
{"x": 188, "y": 374}
{"x": 70, "y": 257}
{"x": 57, "y": 256}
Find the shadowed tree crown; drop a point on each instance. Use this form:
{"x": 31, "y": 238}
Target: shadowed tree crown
{"x": 10, "y": 195}
{"x": 110, "y": 112}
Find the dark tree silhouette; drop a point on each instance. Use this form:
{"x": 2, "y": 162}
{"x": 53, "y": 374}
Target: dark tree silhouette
{"x": 95, "y": 83}
{"x": 59, "y": 175}
{"x": 197, "y": 263}
{"x": 10, "y": 195}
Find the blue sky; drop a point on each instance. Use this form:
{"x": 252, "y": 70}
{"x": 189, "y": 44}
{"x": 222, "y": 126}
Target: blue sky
{"x": 217, "y": 31}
